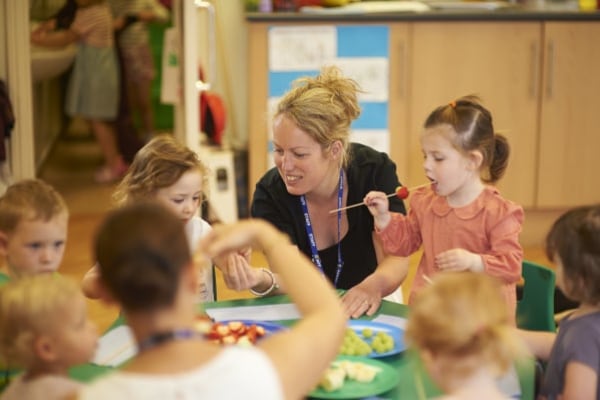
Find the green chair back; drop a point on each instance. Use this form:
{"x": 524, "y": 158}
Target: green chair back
{"x": 535, "y": 310}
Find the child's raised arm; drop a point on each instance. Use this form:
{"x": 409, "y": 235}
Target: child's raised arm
{"x": 539, "y": 343}
{"x": 314, "y": 341}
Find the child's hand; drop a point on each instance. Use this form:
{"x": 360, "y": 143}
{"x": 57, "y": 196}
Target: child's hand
{"x": 459, "y": 260}
{"x": 46, "y": 26}
{"x": 238, "y": 237}
{"x": 378, "y": 205}
{"x": 146, "y": 16}
{"x": 37, "y": 36}
{"x": 118, "y": 23}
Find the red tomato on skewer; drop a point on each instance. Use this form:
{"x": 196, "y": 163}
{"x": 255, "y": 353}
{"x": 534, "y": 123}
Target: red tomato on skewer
{"x": 402, "y": 192}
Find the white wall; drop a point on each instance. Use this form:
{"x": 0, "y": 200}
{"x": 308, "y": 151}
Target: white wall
{"x": 15, "y": 64}
{"x": 3, "y": 72}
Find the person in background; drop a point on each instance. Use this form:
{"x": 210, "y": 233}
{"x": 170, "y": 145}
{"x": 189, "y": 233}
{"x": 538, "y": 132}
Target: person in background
{"x": 169, "y": 172}
{"x": 62, "y": 19}
{"x": 317, "y": 170}
{"x": 93, "y": 86}
{"x": 462, "y": 222}
{"x": 33, "y": 229}
{"x": 44, "y": 329}
{"x": 460, "y": 326}
{"x": 146, "y": 266}
{"x": 573, "y": 245}
{"x": 133, "y": 39}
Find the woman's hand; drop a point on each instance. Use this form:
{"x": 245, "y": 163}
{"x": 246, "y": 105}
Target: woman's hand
{"x": 361, "y": 300}
{"x": 459, "y": 260}
{"x": 239, "y": 275}
{"x": 378, "y": 205}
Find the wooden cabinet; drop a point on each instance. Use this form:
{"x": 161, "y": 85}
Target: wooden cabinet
{"x": 399, "y": 97}
{"x": 540, "y": 80}
{"x": 570, "y": 124}
{"x": 499, "y": 61}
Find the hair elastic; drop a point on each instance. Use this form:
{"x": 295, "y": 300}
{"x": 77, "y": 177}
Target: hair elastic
{"x": 452, "y": 104}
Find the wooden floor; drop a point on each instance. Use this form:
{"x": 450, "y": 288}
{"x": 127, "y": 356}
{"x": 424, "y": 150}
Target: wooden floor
{"x": 70, "y": 169}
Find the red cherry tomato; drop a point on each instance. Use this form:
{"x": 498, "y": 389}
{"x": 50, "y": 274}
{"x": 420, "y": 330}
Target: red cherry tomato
{"x": 402, "y": 192}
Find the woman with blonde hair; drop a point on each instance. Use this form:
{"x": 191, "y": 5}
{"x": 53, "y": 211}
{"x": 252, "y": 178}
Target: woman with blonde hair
{"x": 317, "y": 169}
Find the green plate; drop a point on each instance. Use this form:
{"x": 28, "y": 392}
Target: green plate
{"x": 385, "y": 380}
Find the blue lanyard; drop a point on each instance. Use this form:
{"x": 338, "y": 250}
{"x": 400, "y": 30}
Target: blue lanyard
{"x": 157, "y": 339}
{"x": 316, "y": 259}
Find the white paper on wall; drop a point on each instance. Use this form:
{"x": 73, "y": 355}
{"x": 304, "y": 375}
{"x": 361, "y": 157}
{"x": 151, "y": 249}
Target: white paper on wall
{"x": 379, "y": 140}
{"x": 371, "y": 73}
{"x": 301, "y": 48}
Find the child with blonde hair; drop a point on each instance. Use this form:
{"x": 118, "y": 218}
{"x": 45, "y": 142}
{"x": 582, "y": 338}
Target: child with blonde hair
{"x": 460, "y": 326}
{"x": 44, "y": 329}
{"x": 33, "y": 229}
{"x": 169, "y": 172}
{"x": 462, "y": 222}
{"x": 174, "y": 361}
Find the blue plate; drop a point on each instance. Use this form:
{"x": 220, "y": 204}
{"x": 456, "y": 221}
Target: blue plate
{"x": 395, "y": 332}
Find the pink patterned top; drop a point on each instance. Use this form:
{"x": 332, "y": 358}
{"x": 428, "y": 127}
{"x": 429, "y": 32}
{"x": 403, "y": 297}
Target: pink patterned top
{"x": 489, "y": 226}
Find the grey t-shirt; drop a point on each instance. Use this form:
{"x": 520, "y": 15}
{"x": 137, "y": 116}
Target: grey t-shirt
{"x": 578, "y": 340}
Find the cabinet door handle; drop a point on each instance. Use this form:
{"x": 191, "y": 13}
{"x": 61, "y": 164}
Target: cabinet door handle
{"x": 534, "y": 68}
{"x": 550, "y": 70}
{"x": 402, "y": 69}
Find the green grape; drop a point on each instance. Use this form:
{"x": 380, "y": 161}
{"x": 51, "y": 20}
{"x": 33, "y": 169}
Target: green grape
{"x": 365, "y": 342}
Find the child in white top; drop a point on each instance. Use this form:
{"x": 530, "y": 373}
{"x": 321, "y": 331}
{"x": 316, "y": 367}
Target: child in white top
{"x": 45, "y": 329}
{"x": 174, "y": 360}
{"x": 460, "y": 326}
{"x": 167, "y": 171}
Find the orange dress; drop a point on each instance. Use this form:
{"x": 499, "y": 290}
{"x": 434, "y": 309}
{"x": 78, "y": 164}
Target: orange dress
{"x": 489, "y": 226}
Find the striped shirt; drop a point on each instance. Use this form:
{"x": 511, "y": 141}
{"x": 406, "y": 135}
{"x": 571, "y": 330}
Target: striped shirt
{"x": 94, "y": 25}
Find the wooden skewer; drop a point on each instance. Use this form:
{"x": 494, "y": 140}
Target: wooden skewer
{"x": 388, "y": 195}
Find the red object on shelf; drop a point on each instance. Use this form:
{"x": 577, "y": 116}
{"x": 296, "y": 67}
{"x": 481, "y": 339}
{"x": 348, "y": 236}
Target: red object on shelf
{"x": 302, "y": 3}
{"x": 285, "y": 5}
{"x": 213, "y": 115}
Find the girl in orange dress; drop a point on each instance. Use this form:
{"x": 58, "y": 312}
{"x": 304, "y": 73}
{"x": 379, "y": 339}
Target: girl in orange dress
{"x": 462, "y": 222}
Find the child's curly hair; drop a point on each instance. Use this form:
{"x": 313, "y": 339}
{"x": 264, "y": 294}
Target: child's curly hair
{"x": 462, "y": 317}
{"x": 157, "y": 165}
